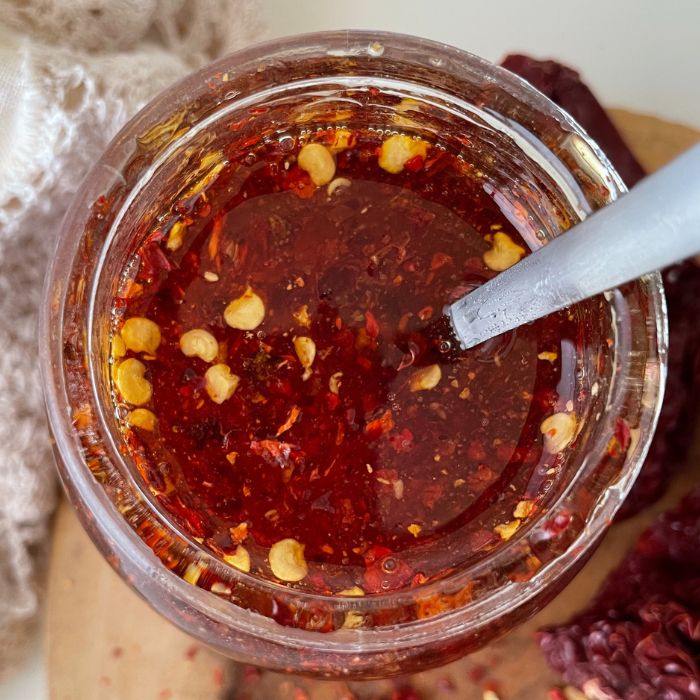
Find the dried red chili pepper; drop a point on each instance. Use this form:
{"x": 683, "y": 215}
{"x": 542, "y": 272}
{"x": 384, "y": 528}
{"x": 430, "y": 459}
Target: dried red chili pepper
{"x": 640, "y": 637}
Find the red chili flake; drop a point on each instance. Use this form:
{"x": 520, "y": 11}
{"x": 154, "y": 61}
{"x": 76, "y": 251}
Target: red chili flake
{"x": 153, "y": 260}
{"x": 425, "y": 313}
{"x": 377, "y": 427}
{"x": 318, "y": 581}
{"x": 431, "y": 495}
{"x": 440, "y": 260}
{"x": 372, "y": 327}
{"x": 215, "y": 237}
{"x": 294, "y": 413}
{"x": 621, "y": 438}
{"x": 340, "y": 434}
{"x": 436, "y": 164}
{"x": 202, "y": 208}
{"x": 332, "y": 400}
{"x": 413, "y": 165}
{"x": 273, "y": 452}
{"x": 403, "y": 322}
{"x": 364, "y": 362}
{"x": 299, "y": 182}
{"x": 403, "y": 441}
{"x": 117, "y": 652}
{"x": 101, "y": 205}
{"x": 406, "y": 692}
{"x": 300, "y": 694}
{"x": 191, "y": 652}
{"x": 218, "y": 676}
{"x": 477, "y": 674}
{"x": 251, "y": 674}
{"x": 419, "y": 579}
{"x": 555, "y": 694}
{"x": 476, "y": 451}
{"x": 239, "y": 533}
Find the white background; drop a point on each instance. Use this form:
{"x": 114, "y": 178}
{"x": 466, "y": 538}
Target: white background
{"x": 642, "y": 55}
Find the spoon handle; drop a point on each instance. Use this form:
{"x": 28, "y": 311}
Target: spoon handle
{"x": 654, "y": 225}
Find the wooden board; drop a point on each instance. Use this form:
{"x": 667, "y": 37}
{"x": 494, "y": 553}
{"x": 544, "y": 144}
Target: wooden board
{"x": 104, "y": 643}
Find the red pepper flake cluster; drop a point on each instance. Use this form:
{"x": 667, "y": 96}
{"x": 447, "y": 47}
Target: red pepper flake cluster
{"x": 285, "y": 404}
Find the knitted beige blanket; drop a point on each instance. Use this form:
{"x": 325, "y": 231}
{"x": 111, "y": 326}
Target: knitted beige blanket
{"x": 71, "y": 73}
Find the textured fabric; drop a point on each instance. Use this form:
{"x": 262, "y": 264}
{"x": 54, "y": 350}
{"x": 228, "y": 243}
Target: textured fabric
{"x": 71, "y": 73}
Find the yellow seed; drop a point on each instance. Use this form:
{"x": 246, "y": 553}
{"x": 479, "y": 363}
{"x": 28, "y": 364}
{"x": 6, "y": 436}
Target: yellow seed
{"x": 353, "y": 620}
{"x": 490, "y": 695}
{"x": 240, "y": 558}
{"x": 334, "y": 383}
{"x": 354, "y": 592}
{"x": 398, "y": 149}
{"x": 220, "y": 383}
{"x": 301, "y": 316}
{"x": 465, "y": 393}
{"x": 141, "y": 335}
{"x": 414, "y": 529}
{"x": 425, "y": 378}
{"x": 231, "y": 457}
{"x": 210, "y": 276}
{"x": 558, "y": 430}
{"x": 193, "y": 572}
{"x": 287, "y": 560}
{"x": 523, "y": 509}
{"x": 504, "y": 253}
{"x": 199, "y": 343}
{"x": 507, "y": 530}
{"x": 408, "y": 104}
{"x": 305, "y": 349}
{"x": 131, "y": 383}
{"x": 341, "y": 140}
{"x": 220, "y": 588}
{"x": 337, "y": 183}
{"x": 118, "y": 346}
{"x": 548, "y": 356}
{"x": 175, "y": 236}
{"x": 245, "y": 313}
{"x": 400, "y": 117}
{"x": 318, "y": 161}
{"x": 209, "y": 168}
{"x": 142, "y": 418}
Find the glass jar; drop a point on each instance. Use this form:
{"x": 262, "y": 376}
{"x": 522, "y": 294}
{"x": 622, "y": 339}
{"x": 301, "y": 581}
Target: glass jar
{"x": 543, "y": 170}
